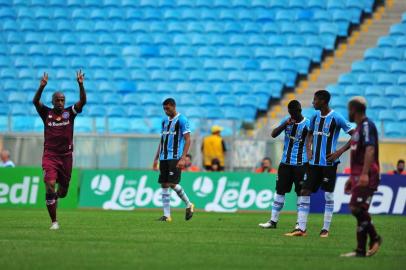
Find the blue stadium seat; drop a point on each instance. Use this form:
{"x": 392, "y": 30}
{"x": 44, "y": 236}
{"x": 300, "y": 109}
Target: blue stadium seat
{"x": 360, "y": 67}
{"x": 84, "y": 124}
{"x": 393, "y": 129}
{"x": 22, "y": 123}
{"x": 379, "y": 66}
{"x": 399, "y": 103}
{"x": 118, "y": 125}
{"x": 380, "y": 103}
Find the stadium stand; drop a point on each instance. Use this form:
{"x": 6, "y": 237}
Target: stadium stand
{"x": 381, "y": 78}
{"x": 215, "y": 57}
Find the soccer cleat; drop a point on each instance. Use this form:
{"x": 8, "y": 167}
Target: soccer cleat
{"x": 374, "y": 246}
{"x": 54, "y": 226}
{"x": 189, "y": 211}
{"x": 324, "y": 233}
{"x": 296, "y": 232}
{"x": 297, "y": 225}
{"x": 165, "y": 219}
{"x": 268, "y": 225}
{"x": 352, "y": 254}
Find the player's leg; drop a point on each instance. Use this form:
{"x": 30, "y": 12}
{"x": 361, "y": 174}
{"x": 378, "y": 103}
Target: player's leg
{"x": 282, "y": 187}
{"x": 64, "y": 176}
{"x": 51, "y": 202}
{"x": 359, "y": 205}
{"x": 174, "y": 180}
{"x": 166, "y": 194}
{"x": 299, "y": 178}
{"x": 311, "y": 184}
{"x": 328, "y": 185}
{"x": 50, "y": 165}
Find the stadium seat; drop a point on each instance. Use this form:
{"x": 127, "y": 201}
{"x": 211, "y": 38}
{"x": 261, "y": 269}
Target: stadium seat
{"x": 143, "y": 50}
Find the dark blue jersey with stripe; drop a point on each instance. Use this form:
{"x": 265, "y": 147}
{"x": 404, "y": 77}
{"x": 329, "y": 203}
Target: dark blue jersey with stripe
{"x": 294, "y": 148}
{"x": 326, "y": 130}
{"x": 172, "y": 137}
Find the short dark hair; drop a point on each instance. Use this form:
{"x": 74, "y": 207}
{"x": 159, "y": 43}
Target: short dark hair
{"x": 294, "y": 105}
{"x": 215, "y": 161}
{"x": 323, "y": 95}
{"x": 169, "y": 101}
{"x": 359, "y": 104}
{"x": 189, "y": 156}
{"x": 57, "y": 93}
{"x": 267, "y": 158}
{"x": 401, "y": 161}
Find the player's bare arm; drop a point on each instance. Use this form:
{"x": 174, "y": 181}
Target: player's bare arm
{"x": 80, "y": 77}
{"x": 368, "y": 160}
{"x": 309, "y": 143}
{"x": 155, "y": 164}
{"x": 181, "y": 162}
{"x": 279, "y": 129}
{"x": 37, "y": 97}
{"x": 337, "y": 154}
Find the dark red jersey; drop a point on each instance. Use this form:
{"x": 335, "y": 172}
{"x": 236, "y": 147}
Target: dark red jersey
{"x": 365, "y": 135}
{"x": 58, "y": 129}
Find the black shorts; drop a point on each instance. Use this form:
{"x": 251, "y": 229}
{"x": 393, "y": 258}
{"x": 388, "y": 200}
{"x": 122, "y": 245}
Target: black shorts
{"x": 321, "y": 176}
{"x": 168, "y": 171}
{"x": 289, "y": 174}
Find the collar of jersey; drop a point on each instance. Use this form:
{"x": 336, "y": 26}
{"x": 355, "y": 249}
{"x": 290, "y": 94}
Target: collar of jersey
{"x": 326, "y": 114}
{"x": 174, "y": 117}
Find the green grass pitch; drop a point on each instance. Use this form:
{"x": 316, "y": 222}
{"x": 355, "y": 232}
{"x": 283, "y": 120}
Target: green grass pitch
{"x": 90, "y": 239}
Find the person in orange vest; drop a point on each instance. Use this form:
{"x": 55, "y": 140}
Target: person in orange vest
{"x": 189, "y": 167}
{"x": 266, "y": 166}
{"x": 400, "y": 168}
{"x": 213, "y": 147}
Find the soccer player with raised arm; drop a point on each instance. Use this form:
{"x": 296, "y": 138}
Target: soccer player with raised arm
{"x": 292, "y": 168}
{"x": 171, "y": 153}
{"x": 364, "y": 179}
{"x": 58, "y": 143}
{"x": 323, "y": 158}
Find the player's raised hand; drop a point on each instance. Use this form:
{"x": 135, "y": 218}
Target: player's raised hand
{"x": 44, "y": 80}
{"x": 80, "y": 77}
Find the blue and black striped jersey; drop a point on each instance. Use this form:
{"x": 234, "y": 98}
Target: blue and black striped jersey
{"x": 172, "y": 137}
{"x": 325, "y": 130}
{"x": 294, "y": 149}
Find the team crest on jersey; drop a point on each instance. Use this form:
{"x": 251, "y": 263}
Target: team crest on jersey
{"x": 65, "y": 115}
{"x": 58, "y": 118}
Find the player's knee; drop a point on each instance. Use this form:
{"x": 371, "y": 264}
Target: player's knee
{"x": 305, "y": 192}
{"x": 329, "y": 197}
{"x": 62, "y": 193}
{"x": 50, "y": 187}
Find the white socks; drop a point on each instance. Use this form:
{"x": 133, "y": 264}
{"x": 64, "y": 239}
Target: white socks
{"x": 277, "y": 205}
{"x": 166, "y": 199}
{"x": 328, "y": 210}
{"x": 303, "y": 211}
{"x": 181, "y": 193}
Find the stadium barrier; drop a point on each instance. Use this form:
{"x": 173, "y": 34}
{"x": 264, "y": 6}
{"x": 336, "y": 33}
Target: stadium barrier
{"x": 23, "y": 187}
{"x": 219, "y": 192}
